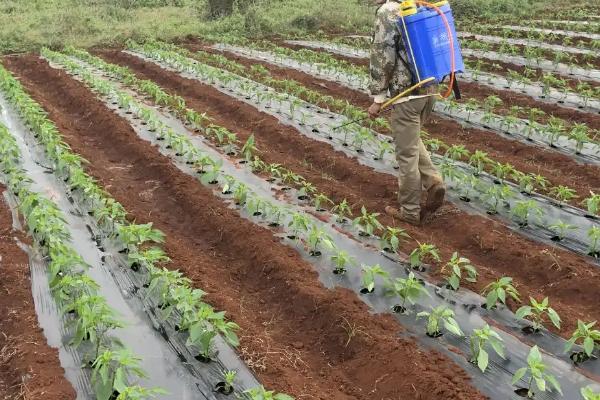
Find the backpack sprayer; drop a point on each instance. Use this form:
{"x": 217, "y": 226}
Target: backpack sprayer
{"x": 431, "y": 45}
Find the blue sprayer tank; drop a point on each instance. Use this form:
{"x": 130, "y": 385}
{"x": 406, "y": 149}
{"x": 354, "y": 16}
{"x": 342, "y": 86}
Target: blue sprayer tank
{"x": 426, "y": 40}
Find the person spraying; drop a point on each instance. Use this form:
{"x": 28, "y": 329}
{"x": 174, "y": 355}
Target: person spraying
{"x": 405, "y": 72}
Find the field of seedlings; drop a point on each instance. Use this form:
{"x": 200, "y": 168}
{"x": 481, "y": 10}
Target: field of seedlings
{"x": 199, "y": 219}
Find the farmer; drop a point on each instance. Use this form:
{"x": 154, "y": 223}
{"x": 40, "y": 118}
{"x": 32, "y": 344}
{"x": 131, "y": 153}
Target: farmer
{"x": 390, "y": 75}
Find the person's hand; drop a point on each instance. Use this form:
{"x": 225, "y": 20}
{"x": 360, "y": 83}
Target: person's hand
{"x": 374, "y": 110}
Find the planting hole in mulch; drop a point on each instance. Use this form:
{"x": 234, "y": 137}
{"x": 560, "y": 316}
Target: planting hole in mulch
{"x": 223, "y": 388}
{"x": 202, "y": 358}
{"x": 435, "y": 335}
{"x": 580, "y": 357}
{"x": 529, "y": 330}
{"x": 523, "y": 392}
{"x": 556, "y": 238}
{"x": 340, "y": 271}
{"x": 398, "y": 309}
{"x": 366, "y": 291}
{"x": 315, "y": 253}
{"x": 465, "y": 199}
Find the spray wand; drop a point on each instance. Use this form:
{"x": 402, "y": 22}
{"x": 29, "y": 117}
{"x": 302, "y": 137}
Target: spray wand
{"x": 390, "y": 102}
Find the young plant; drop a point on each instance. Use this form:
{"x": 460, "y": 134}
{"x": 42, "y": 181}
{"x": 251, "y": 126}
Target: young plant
{"x": 561, "y": 229}
{"x": 456, "y": 267}
{"x": 536, "y": 369}
{"x": 249, "y": 149}
{"x": 320, "y": 200}
{"x": 368, "y": 277}
{"x": 588, "y": 393}
{"x": 341, "y": 260}
{"x": 592, "y": 204}
{"x": 317, "y": 236}
{"x": 436, "y": 317}
{"x": 260, "y": 393}
{"x": 299, "y": 224}
{"x": 390, "y": 240}
{"x": 563, "y": 194}
{"x": 587, "y": 336}
{"x": 524, "y": 210}
{"x": 536, "y": 312}
{"x": 111, "y": 369}
{"x": 367, "y": 222}
{"x": 421, "y": 253}
{"x": 594, "y": 236}
{"x": 496, "y": 195}
{"x": 498, "y": 291}
{"x": 139, "y": 393}
{"x": 409, "y": 289}
{"x": 479, "y": 341}
{"x": 342, "y": 211}
{"x": 226, "y": 386}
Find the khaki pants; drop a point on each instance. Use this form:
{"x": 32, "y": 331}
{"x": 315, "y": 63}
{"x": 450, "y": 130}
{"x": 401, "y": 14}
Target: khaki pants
{"x": 416, "y": 171}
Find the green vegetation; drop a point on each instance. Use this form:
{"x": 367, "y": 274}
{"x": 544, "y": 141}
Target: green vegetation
{"x": 27, "y": 25}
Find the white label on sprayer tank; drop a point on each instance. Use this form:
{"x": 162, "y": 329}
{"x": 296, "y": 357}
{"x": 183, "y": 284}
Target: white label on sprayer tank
{"x": 440, "y": 40}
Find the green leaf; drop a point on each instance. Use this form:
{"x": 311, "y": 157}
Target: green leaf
{"x": 588, "y": 346}
{"x": 491, "y": 299}
{"x": 482, "y": 360}
{"x": 523, "y": 311}
{"x": 454, "y": 282}
{"x": 554, "y": 383}
{"x": 553, "y": 315}
{"x": 519, "y": 375}
{"x": 281, "y": 396}
{"x": 452, "y": 326}
{"x": 541, "y": 384}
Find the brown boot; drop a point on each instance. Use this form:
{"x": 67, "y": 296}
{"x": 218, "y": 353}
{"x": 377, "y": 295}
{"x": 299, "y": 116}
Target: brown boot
{"x": 403, "y": 216}
{"x": 435, "y": 199}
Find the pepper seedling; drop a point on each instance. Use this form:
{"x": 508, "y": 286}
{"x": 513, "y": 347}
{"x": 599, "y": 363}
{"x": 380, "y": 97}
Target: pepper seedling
{"x": 367, "y": 222}
{"x": 390, "y": 240}
{"x": 139, "y": 393}
{"x": 408, "y": 289}
{"x": 537, "y": 372}
{"x": 498, "y": 290}
{"x": 589, "y": 337}
{"x": 592, "y": 204}
{"x": 455, "y": 268}
{"x": 563, "y": 194}
{"x": 479, "y": 341}
{"x": 111, "y": 370}
{"x": 561, "y": 229}
{"x": 341, "y": 260}
{"x": 260, "y": 393}
{"x": 588, "y": 393}
{"x": 418, "y": 256}
{"x": 536, "y": 311}
{"x": 438, "y": 315}
{"x": 342, "y": 211}
{"x": 524, "y": 210}
{"x": 368, "y": 277}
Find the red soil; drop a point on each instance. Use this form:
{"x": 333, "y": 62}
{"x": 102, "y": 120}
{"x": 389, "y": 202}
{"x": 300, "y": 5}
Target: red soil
{"x": 294, "y": 330}
{"x": 509, "y": 97}
{"x": 538, "y": 269}
{"x": 29, "y": 368}
{"x": 559, "y": 169}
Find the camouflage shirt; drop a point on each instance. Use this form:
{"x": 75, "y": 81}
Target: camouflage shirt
{"x": 389, "y": 74}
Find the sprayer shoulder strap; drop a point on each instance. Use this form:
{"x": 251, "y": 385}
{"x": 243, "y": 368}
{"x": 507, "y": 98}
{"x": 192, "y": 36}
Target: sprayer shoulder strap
{"x": 400, "y": 51}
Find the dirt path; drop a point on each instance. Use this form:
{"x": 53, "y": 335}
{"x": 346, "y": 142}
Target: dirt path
{"x": 29, "y": 368}
{"x": 538, "y": 270}
{"x": 558, "y": 168}
{"x": 294, "y": 330}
